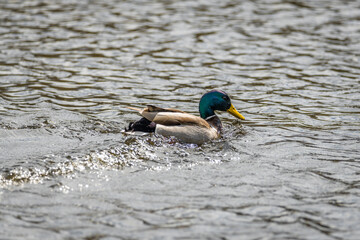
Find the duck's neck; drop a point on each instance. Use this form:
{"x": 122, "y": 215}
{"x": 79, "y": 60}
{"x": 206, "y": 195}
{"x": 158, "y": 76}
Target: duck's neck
{"x": 206, "y": 105}
{"x": 205, "y": 111}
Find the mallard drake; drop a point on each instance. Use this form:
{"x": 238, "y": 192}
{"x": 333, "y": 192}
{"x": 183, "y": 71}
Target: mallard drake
{"x": 184, "y": 126}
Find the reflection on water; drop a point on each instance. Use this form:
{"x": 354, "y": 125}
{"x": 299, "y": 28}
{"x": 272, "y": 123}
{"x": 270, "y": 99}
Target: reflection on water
{"x": 69, "y": 69}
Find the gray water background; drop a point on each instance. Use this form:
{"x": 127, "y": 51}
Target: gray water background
{"x": 69, "y": 69}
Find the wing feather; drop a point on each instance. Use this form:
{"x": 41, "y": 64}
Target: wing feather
{"x": 178, "y": 118}
{"x": 170, "y": 117}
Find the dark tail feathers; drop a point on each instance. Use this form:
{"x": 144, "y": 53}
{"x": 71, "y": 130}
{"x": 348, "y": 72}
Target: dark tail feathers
{"x": 142, "y": 125}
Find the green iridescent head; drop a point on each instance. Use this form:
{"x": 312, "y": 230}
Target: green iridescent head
{"x": 216, "y": 100}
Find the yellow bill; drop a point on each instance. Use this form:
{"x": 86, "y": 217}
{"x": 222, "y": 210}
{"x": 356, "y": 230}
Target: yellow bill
{"x": 235, "y": 113}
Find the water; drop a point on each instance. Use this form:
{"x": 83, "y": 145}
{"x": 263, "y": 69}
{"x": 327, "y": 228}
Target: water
{"x": 69, "y": 69}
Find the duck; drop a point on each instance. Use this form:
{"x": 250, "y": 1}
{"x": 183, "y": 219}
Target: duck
{"x": 186, "y": 127}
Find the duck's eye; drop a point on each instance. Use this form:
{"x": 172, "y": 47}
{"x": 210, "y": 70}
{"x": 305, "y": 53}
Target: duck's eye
{"x": 224, "y": 97}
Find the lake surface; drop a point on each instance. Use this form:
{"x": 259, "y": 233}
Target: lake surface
{"x": 69, "y": 69}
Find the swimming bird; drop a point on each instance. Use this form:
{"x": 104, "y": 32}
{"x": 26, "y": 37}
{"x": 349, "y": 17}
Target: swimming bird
{"x": 184, "y": 126}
